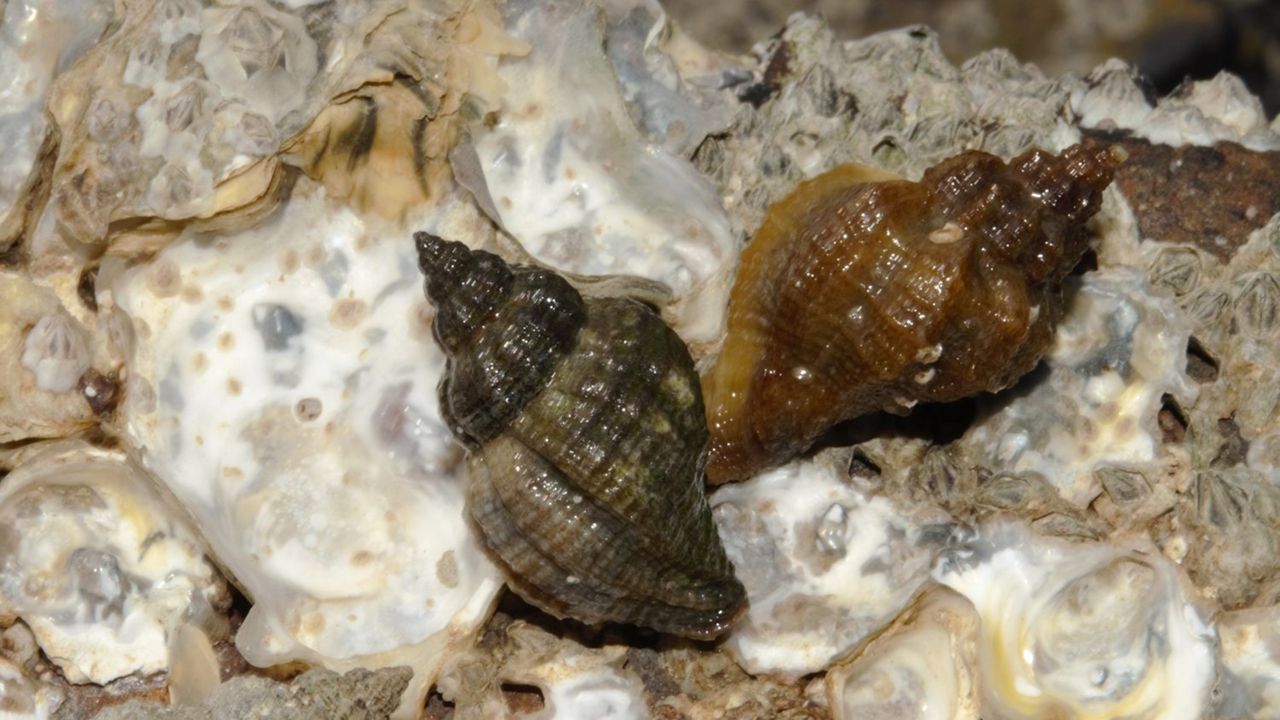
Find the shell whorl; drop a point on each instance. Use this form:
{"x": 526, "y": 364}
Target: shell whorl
{"x": 1030, "y": 211}
{"x": 858, "y": 295}
{"x": 587, "y": 434}
{"x": 503, "y": 330}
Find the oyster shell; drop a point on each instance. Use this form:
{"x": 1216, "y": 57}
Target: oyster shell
{"x": 825, "y": 566}
{"x": 586, "y": 431}
{"x": 859, "y": 294}
{"x": 576, "y": 184}
{"x": 40, "y": 40}
{"x": 187, "y": 115}
{"x": 1082, "y": 630}
{"x": 1090, "y": 424}
{"x": 97, "y": 563}
{"x": 923, "y": 667}
{"x": 282, "y": 386}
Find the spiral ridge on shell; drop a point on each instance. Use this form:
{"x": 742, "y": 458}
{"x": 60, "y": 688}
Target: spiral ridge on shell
{"x": 587, "y": 434}
{"x": 859, "y": 294}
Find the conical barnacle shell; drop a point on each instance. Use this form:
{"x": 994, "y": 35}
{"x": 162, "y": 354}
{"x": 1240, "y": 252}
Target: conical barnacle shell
{"x": 587, "y": 431}
{"x": 859, "y": 295}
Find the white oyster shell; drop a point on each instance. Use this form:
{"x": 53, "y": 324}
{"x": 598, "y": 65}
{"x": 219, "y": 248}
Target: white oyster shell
{"x": 925, "y": 667}
{"x": 824, "y": 566}
{"x": 1119, "y": 350}
{"x": 1082, "y": 630}
{"x": 575, "y": 182}
{"x": 101, "y": 568}
{"x": 283, "y": 387}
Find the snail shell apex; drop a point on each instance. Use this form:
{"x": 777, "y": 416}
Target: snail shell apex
{"x": 587, "y": 433}
{"x": 860, "y": 294}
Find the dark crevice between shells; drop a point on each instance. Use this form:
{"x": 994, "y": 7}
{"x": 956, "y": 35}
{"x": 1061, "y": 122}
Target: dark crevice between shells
{"x": 939, "y": 423}
{"x": 1201, "y": 366}
{"x": 1172, "y": 420}
{"x": 523, "y": 699}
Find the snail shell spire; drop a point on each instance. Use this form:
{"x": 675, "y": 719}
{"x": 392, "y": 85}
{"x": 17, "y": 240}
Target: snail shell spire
{"x": 861, "y": 294}
{"x": 465, "y": 287}
{"x": 587, "y": 433}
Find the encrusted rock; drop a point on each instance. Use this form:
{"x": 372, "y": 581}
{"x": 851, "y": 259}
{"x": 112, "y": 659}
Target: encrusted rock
{"x": 356, "y": 694}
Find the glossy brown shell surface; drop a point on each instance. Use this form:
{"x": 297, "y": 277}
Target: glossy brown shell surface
{"x": 587, "y": 433}
{"x": 860, "y": 294}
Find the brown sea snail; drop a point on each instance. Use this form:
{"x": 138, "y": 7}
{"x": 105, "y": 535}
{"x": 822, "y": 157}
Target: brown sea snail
{"x": 586, "y": 434}
{"x": 861, "y": 294}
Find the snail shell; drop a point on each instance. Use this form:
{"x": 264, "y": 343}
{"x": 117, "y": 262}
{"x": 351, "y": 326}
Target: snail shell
{"x": 861, "y": 294}
{"x": 587, "y": 435}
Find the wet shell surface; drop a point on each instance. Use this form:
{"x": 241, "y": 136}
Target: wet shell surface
{"x": 587, "y": 432}
{"x": 1082, "y": 630}
{"x": 860, "y": 294}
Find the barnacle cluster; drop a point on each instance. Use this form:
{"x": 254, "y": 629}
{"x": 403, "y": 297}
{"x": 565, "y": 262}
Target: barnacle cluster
{"x": 896, "y": 385}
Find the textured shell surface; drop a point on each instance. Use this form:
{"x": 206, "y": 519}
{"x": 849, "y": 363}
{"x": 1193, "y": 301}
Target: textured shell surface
{"x": 283, "y": 390}
{"x": 587, "y": 432}
{"x": 40, "y": 40}
{"x": 184, "y": 113}
{"x": 100, "y": 566}
{"x": 856, "y": 296}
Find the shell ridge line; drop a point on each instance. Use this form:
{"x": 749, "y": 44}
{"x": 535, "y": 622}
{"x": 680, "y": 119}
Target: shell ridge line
{"x": 683, "y": 500}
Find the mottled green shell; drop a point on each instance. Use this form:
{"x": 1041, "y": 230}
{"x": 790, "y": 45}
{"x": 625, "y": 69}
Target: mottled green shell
{"x": 588, "y": 434}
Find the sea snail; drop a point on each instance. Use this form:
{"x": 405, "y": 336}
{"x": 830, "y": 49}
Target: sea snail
{"x": 587, "y": 435}
{"x": 860, "y": 294}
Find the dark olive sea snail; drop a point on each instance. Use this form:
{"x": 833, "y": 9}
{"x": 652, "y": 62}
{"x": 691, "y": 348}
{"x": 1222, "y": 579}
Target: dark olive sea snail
{"x": 586, "y": 430}
{"x": 859, "y": 294}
